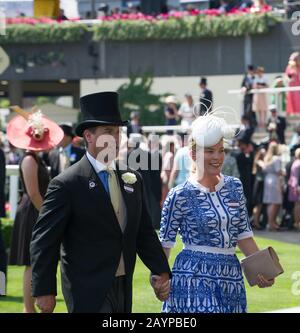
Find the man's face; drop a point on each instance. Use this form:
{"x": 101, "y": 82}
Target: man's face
{"x": 273, "y": 113}
{"x": 103, "y": 143}
{"x": 242, "y": 146}
{"x": 65, "y": 141}
{"x": 135, "y": 119}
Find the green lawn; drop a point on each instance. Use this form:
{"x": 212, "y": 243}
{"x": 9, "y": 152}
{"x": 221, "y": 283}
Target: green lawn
{"x": 259, "y": 300}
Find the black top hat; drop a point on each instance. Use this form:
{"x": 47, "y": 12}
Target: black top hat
{"x": 99, "y": 109}
{"x": 68, "y": 129}
{"x": 203, "y": 80}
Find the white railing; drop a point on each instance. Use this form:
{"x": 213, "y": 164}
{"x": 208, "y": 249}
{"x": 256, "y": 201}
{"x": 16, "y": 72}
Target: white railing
{"x": 290, "y": 3}
{"x": 274, "y": 91}
{"x": 265, "y": 90}
{"x": 163, "y": 129}
{"x": 12, "y": 171}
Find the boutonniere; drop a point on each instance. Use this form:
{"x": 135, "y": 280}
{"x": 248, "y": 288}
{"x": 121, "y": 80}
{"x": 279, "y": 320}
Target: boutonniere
{"x": 129, "y": 179}
{"x": 73, "y": 158}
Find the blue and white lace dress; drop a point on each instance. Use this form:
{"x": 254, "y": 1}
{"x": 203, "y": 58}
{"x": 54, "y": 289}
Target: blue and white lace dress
{"x": 207, "y": 275}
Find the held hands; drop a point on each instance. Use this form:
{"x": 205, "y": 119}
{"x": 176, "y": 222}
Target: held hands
{"x": 262, "y": 282}
{"x": 161, "y": 286}
{"x": 46, "y": 303}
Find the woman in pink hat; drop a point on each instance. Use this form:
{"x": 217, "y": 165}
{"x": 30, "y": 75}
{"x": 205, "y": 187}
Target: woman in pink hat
{"x": 34, "y": 133}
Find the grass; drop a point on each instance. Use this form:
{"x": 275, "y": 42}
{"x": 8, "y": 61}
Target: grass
{"x": 259, "y": 300}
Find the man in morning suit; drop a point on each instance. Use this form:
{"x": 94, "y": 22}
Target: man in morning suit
{"x": 66, "y": 154}
{"x": 206, "y": 97}
{"x": 96, "y": 213}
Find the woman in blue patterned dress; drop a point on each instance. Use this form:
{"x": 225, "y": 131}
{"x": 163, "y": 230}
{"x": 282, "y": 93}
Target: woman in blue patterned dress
{"x": 209, "y": 212}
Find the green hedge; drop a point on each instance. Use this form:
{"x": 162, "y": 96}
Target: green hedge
{"x": 6, "y": 228}
{"x": 43, "y": 33}
{"x": 191, "y": 27}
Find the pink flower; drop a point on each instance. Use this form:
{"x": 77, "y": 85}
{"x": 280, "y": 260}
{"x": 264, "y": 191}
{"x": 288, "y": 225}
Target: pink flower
{"x": 143, "y": 17}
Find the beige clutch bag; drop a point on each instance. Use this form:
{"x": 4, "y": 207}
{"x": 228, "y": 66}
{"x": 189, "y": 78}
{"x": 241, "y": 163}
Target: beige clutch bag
{"x": 264, "y": 262}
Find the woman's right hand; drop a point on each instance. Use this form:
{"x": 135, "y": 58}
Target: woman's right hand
{"x": 263, "y": 282}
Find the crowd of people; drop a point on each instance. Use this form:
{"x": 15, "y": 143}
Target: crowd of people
{"x": 256, "y": 104}
{"x": 223, "y": 6}
{"x": 264, "y": 168}
{"x": 220, "y": 6}
{"x": 269, "y": 172}
{"x": 99, "y": 203}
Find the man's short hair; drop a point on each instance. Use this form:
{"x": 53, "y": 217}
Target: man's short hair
{"x": 92, "y": 130}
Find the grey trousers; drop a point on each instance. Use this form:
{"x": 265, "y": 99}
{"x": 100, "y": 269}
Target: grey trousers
{"x": 115, "y": 299}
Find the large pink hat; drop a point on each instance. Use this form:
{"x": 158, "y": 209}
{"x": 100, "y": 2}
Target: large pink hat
{"x": 33, "y": 131}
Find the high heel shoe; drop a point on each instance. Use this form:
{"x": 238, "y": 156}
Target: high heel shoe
{"x": 297, "y": 226}
{"x": 256, "y": 226}
{"x": 273, "y": 227}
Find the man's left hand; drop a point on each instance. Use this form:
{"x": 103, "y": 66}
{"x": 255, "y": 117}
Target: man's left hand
{"x": 161, "y": 286}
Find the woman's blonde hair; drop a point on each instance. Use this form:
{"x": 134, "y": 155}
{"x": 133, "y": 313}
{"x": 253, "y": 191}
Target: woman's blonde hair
{"x": 294, "y": 59}
{"x": 192, "y": 148}
{"x": 273, "y": 150}
{"x": 260, "y": 69}
{"x": 297, "y": 153}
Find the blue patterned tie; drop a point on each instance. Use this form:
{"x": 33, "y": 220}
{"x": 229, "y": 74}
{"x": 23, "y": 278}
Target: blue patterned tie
{"x": 103, "y": 175}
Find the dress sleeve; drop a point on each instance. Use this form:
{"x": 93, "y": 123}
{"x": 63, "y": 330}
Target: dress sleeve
{"x": 244, "y": 227}
{"x": 170, "y": 220}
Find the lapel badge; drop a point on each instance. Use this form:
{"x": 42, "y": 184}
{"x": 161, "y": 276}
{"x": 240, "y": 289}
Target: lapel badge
{"x": 92, "y": 184}
{"x": 128, "y": 189}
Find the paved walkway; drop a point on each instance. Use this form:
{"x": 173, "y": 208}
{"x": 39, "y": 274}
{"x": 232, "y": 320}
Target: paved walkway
{"x": 292, "y": 237}
{"x": 290, "y": 310}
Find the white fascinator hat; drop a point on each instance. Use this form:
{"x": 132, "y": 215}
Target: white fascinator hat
{"x": 220, "y": 123}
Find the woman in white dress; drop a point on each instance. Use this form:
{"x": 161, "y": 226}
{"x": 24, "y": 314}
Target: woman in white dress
{"x": 186, "y": 111}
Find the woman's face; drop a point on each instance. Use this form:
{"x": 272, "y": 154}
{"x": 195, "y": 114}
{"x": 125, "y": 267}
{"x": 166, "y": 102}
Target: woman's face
{"x": 214, "y": 159}
{"x": 211, "y": 159}
{"x": 189, "y": 100}
{"x": 260, "y": 73}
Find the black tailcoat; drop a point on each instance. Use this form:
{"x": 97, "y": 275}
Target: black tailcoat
{"x": 54, "y": 162}
{"x": 77, "y": 214}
